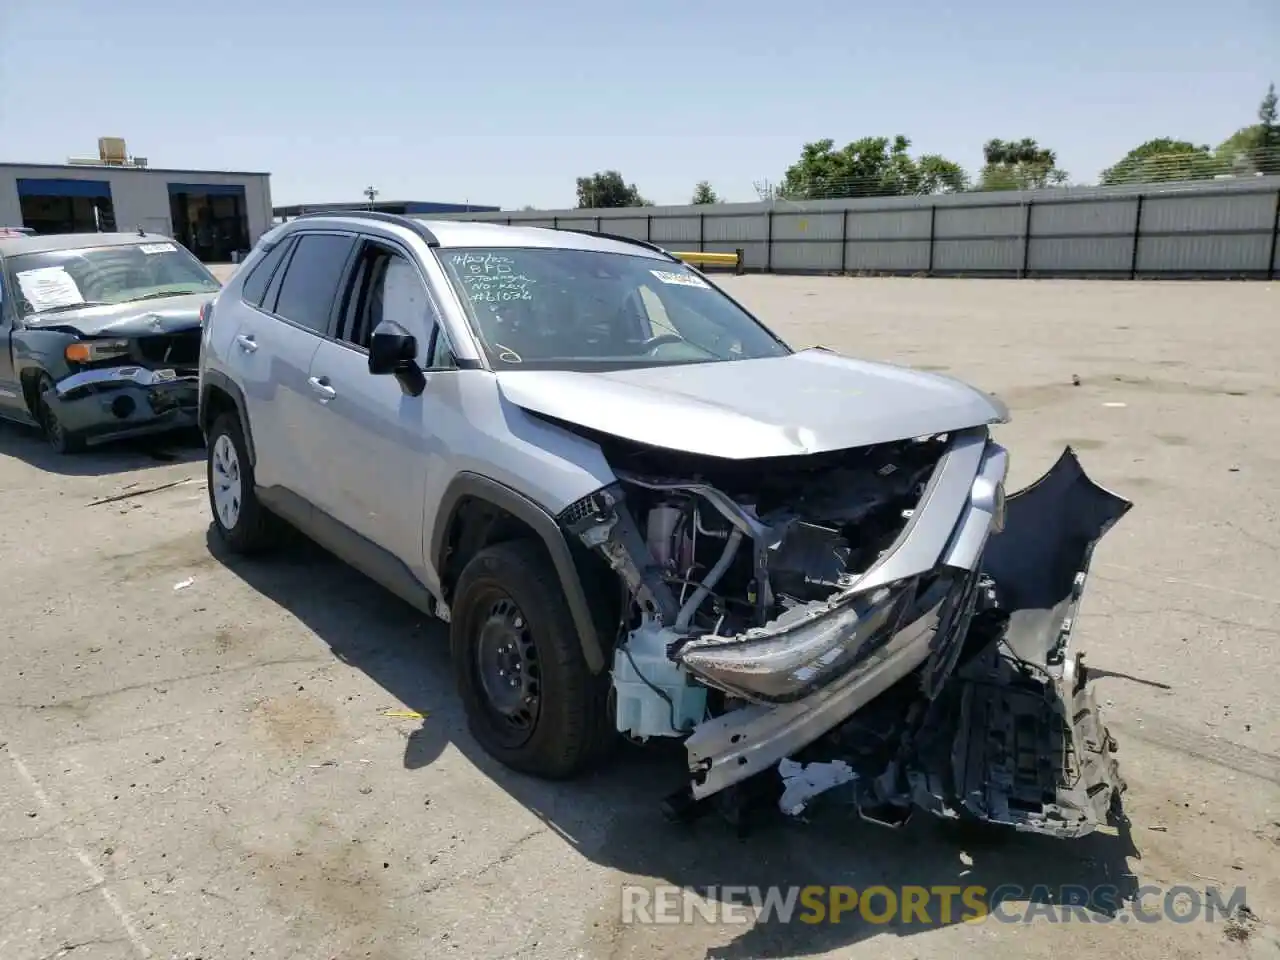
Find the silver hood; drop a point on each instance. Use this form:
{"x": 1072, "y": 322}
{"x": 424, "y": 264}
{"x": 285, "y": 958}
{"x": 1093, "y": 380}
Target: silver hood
{"x": 809, "y": 402}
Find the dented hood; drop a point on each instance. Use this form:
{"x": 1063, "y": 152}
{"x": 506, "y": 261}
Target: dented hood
{"x": 809, "y": 402}
{"x": 134, "y": 319}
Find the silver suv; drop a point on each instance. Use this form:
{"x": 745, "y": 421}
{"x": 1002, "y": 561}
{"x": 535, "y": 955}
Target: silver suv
{"x": 645, "y": 515}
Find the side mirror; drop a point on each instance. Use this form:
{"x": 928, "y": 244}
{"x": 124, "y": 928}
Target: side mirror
{"x": 390, "y": 349}
{"x": 393, "y": 351}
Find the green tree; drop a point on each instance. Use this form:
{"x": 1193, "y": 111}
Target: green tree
{"x": 1019, "y": 165}
{"x": 702, "y": 193}
{"x": 870, "y": 167}
{"x": 1163, "y": 159}
{"x": 937, "y": 174}
{"x": 1256, "y": 148}
{"x": 608, "y": 189}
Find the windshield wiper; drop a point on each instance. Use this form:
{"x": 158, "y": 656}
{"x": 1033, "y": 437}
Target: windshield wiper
{"x": 70, "y": 306}
{"x": 161, "y": 295}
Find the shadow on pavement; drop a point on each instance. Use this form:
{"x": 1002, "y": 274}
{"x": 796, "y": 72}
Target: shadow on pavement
{"x": 121, "y": 456}
{"x": 612, "y": 816}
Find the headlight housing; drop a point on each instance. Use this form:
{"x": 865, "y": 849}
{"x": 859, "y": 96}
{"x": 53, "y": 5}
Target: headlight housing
{"x": 790, "y": 659}
{"x": 95, "y": 351}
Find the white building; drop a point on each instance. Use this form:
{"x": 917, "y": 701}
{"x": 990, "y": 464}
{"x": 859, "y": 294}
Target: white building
{"x": 212, "y": 213}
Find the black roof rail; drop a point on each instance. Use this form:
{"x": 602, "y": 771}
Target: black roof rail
{"x": 623, "y": 239}
{"x": 417, "y": 226}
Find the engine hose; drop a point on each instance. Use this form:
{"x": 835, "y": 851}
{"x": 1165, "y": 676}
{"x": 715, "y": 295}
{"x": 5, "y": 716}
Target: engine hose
{"x": 718, "y": 571}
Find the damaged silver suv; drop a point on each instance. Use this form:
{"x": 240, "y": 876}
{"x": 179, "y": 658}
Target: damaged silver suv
{"x": 645, "y": 515}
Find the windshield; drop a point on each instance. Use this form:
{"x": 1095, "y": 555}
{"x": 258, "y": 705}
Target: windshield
{"x": 589, "y": 310}
{"x": 57, "y": 280}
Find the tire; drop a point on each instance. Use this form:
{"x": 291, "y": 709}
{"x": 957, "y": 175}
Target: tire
{"x": 569, "y": 731}
{"x": 247, "y": 527}
{"x": 55, "y": 434}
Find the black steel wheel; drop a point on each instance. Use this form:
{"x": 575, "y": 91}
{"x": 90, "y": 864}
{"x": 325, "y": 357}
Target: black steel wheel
{"x": 507, "y": 668}
{"x": 530, "y": 699}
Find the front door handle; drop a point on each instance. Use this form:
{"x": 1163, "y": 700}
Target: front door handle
{"x": 247, "y": 343}
{"x": 322, "y": 389}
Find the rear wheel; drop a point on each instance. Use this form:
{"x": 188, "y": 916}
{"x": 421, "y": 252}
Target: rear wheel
{"x": 57, "y": 436}
{"x": 529, "y": 697}
{"x": 242, "y": 522}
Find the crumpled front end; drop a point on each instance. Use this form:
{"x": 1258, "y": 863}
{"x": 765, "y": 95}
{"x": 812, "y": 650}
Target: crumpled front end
{"x": 885, "y": 608}
{"x": 122, "y": 387}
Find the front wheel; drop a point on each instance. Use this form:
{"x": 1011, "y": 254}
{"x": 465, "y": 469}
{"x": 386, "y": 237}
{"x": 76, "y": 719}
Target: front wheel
{"x": 56, "y": 435}
{"x": 530, "y": 699}
{"x": 242, "y": 522}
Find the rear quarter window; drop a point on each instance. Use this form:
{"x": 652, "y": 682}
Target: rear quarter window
{"x": 259, "y": 278}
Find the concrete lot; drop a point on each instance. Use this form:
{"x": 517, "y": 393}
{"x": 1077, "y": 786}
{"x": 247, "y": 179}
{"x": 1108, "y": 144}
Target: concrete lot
{"x": 209, "y": 771}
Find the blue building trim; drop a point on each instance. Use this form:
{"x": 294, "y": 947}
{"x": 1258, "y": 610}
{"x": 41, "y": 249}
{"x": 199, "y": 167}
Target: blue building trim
{"x": 209, "y": 189}
{"x": 63, "y": 187}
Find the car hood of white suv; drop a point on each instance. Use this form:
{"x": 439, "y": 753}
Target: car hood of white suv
{"x": 808, "y": 402}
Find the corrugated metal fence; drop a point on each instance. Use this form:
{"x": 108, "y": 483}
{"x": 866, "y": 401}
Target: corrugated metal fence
{"x": 1215, "y": 229}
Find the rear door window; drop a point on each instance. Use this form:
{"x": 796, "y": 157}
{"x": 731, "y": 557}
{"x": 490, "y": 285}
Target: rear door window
{"x": 311, "y": 279}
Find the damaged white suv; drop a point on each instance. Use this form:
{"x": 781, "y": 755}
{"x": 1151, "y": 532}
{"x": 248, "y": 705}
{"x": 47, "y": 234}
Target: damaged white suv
{"x": 644, "y": 515}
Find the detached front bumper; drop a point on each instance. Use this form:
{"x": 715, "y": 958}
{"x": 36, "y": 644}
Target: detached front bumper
{"x": 116, "y": 402}
{"x": 1000, "y": 725}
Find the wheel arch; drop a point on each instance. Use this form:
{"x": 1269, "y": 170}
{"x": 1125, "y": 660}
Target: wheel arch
{"x": 28, "y": 377}
{"x": 219, "y": 394}
{"x": 476, "y": 511}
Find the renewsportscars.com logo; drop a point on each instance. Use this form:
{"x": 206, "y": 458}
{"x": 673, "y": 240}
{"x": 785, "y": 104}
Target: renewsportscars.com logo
{"x": 933, "y": 905}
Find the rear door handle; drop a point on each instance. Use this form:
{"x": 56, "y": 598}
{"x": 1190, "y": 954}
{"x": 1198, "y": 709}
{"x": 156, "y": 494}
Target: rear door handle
{"x": 247, "y": 343}
{"x": 322, "y": 389}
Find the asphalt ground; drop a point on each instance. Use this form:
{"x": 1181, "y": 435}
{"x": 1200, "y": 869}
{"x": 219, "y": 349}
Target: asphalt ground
{"x": 206, "y": 757}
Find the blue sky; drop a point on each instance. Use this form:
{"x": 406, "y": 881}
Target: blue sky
{"x": 506, "y": 102}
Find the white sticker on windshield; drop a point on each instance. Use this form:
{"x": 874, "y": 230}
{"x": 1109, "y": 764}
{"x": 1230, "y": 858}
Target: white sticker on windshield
{"x": 156, "y": 247}
{"x": 679, "y": 279}
{"x": 49, "y": 287}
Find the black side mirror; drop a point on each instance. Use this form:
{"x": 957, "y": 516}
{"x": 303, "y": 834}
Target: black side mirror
{"x": 393, "y": 351}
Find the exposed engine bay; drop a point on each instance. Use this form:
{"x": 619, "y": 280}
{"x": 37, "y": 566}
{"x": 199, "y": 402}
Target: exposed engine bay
{"x": 882, "y": 612}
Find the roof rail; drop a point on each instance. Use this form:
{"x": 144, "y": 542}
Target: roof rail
{"x": 622, "y": 239}
{"x": 417, "y": 226}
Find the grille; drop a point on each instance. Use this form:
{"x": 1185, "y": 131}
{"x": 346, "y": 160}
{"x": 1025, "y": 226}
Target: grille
{"x": 169, "y": 349}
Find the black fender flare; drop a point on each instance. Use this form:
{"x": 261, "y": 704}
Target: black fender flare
{"x": 475, "y": 486}
{"x": 213, "y": 380}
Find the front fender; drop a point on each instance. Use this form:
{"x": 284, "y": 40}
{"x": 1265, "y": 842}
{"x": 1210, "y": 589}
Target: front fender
{"x": 41, "y": 351}
{"x": 474, "y": 486}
